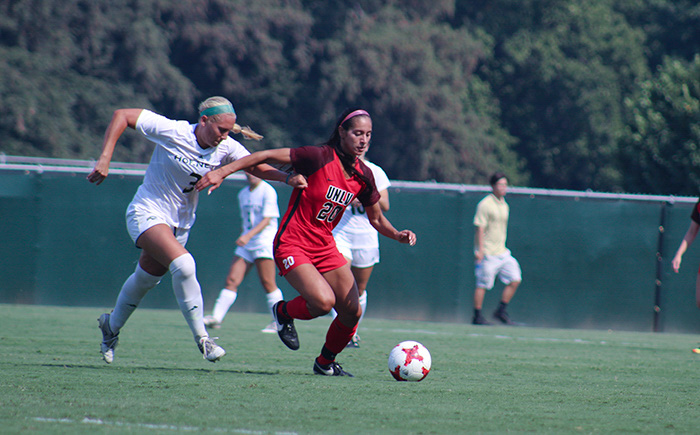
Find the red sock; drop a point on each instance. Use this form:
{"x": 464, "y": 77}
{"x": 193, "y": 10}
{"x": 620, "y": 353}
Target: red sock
{"x": 338, "y": 336}
{"x": 298, "y": 309}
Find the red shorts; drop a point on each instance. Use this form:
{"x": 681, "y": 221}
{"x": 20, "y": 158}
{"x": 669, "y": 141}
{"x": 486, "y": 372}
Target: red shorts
{"x": 325, "y": 258}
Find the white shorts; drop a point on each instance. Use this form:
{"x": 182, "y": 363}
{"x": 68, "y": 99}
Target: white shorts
{"x": 505, "y": 266}
{"x": 250, "y": 255}
{"x": 138, "y": 221}
{"x": 361, "y": 258}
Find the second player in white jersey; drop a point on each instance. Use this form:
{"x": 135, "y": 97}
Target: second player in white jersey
{"x": 354, "y": 228}
{"x": 358, "y": 241}
{"x": 259, "y": 214}
{"x": 257, "y": 202}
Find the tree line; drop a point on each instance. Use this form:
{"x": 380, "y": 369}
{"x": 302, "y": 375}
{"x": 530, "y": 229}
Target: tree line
{"x": 563, "y": 94}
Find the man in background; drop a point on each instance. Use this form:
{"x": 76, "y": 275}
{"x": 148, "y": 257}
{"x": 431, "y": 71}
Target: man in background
{"x": 491, "y": 256}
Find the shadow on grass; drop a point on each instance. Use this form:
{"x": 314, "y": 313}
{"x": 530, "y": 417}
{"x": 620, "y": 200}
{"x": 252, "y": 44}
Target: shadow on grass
{"x": 159, "y": 369}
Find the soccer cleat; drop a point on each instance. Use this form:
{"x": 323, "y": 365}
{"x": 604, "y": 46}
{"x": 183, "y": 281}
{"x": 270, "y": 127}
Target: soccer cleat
{"x": 696, "y": 350}
{"x": 354, "y": 342}
{"x": 210, "y": 350}
{"x": 480, "y": 320}
{"x": 211, "y": 322}
{"x": 286, "y": 330}
{"x": 109, "y": 340}
{"x": 333, "y": 369}
{"x": 271, "y": 328}
{"x": 503, "y": 317}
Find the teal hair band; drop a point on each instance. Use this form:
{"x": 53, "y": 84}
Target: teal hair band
{"x": 216, "y": 110}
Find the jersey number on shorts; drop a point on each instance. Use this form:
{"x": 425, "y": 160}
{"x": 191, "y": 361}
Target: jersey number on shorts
{"x": 329, "y": 212}
{"x": 288, "y": 262}
{"x": 197, "y": 177}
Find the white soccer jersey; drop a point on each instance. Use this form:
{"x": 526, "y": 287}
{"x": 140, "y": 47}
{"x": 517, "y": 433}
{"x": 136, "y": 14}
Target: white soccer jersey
{"x": 256, "y": 205}
{"x": 176, "y": 164}
{"x": 354, "y": 222}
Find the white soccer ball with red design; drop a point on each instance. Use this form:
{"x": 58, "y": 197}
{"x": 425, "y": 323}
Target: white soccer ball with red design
{"x": 409, "y": 361}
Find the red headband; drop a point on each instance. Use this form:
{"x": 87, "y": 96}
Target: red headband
{"x": 354, "y": 114}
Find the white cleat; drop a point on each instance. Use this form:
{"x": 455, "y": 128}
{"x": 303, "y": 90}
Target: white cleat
{"x": 210, "y": 350}
{"x": 211, "y": 322}
{"x": 271, "y": 328}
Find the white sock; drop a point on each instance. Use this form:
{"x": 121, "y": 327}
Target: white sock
{"x": 363, "y": 304}
{"x": 272, "y": 299}
{"x": 223, "y": 304}
{"x": 188, "y": 293}
{"x": 134, "y": 289}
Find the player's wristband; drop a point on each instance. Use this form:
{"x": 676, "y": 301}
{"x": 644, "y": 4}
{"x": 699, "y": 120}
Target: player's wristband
{"x": 287, "y": 180}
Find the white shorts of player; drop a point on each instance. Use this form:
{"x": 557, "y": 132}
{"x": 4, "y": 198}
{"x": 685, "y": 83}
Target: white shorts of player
{"x": 504, "y": 265}
{"x": 139, "y": 220}
{"x": 362, "y": 248}
{"x": 250, "y": 255}
{"x": 361, "y": 258}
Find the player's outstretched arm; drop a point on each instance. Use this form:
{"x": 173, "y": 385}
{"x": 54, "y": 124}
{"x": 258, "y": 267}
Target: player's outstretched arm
{"x": 121, "y": 119}
{"x": 214, "y": 178}
{"x": 267, "y": 172}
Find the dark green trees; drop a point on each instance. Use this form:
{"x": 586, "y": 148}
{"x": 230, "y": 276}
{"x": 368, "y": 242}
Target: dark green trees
{"x": 559, "y": 94}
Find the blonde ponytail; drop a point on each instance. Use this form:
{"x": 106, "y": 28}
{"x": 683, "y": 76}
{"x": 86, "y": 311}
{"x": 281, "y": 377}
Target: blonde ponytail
{"x": 246, "y": 131}
{"x": 216, "y": 102}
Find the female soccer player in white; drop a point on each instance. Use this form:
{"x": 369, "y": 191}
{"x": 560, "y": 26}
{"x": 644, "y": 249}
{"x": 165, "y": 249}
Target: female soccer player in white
{"x": 358, "y": 241}
{"x": 259, "y": 214}
{"x": 162, "y": 211}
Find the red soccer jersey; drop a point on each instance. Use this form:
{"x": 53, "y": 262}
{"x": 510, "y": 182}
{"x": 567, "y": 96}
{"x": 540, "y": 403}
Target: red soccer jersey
{"x": 313, "y": 212}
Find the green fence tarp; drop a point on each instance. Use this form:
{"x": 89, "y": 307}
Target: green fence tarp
{"x": 587, "y": 262}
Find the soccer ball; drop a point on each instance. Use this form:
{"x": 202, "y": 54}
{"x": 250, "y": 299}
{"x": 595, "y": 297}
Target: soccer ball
{"x": 409, "y": 361}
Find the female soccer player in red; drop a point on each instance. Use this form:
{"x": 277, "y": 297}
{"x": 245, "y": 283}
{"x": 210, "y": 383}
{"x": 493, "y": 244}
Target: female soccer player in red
{"x": 688, "y": 239}
{"x": 305, "y": 251}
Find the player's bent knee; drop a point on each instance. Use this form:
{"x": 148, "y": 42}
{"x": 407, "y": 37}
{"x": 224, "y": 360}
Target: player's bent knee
{"x": 349, "y": 319}
{"x": 348, "y": 314}
{"x": 183, "y": 266}
{"x": 322, "y": 305}
{"x": 322, "y": 309}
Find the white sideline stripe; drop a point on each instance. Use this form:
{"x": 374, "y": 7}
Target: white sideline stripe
{"x": 505, "y": 337}
{"x": 418, "y": 331}
{"x": 98, "y": 421}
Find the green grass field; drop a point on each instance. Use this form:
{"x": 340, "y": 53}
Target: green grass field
{"x": 484, "y": 379}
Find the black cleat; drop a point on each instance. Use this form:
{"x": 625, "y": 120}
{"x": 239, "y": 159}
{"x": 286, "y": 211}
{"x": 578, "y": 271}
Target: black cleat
{"x": 333, "y": 369}
{"x": 503, "y": 317}
{"x": 286, "y": 329}
{"x": 480, "y": 320}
